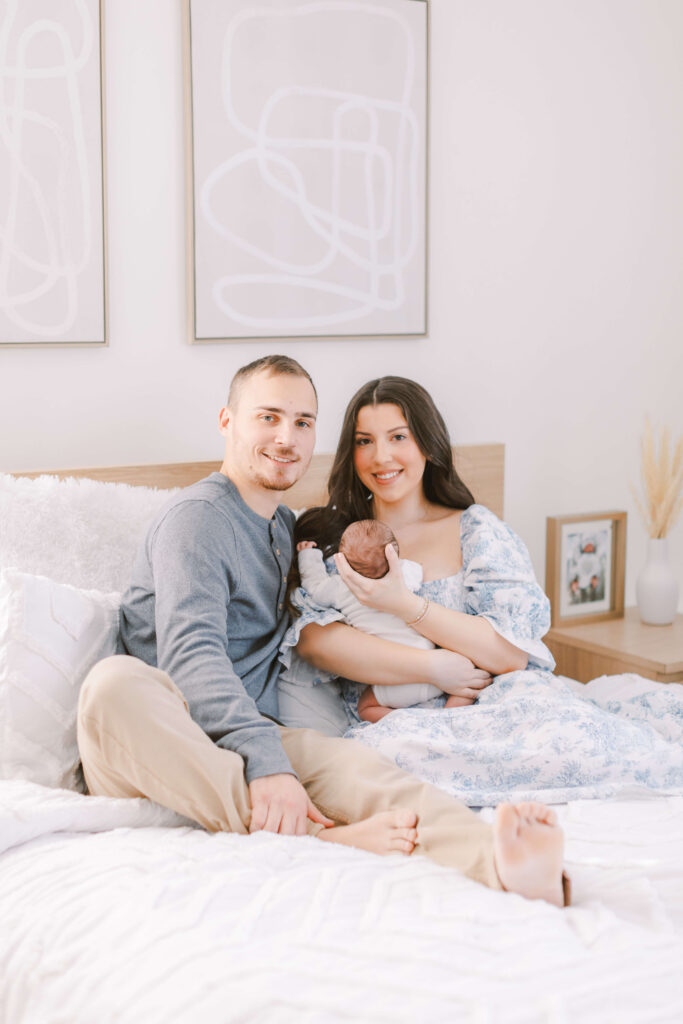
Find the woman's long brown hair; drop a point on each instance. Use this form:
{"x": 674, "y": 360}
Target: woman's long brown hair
{"x": 441, "y": 483}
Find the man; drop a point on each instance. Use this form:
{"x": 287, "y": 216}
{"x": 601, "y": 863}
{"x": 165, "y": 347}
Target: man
{"x": 188, "y": 717}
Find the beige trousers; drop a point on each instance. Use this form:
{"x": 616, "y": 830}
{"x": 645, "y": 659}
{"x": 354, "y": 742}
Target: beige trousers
{"x": 136, "y": 738}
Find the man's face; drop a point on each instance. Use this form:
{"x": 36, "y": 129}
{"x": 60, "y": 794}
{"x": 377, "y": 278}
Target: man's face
{"x": 270, "y": 431}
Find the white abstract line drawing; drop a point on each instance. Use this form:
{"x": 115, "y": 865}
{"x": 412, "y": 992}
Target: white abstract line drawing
{"x": 376, "y": 240}
{"x": 54, "y": 196}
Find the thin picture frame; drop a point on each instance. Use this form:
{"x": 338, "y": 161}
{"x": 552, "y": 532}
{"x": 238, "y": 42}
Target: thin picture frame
{"x": 585, "y": 567}
{"x": 242, "y": 288}
{"x": 87, "y": 156}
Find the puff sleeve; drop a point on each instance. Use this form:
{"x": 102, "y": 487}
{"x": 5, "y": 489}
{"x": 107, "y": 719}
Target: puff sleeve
{"x": 296, "y": 670}
{"x": 501, "y": 586}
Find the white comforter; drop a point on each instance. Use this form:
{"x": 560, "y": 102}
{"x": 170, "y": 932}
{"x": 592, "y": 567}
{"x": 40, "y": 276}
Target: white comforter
{"x": 117, "y": 911}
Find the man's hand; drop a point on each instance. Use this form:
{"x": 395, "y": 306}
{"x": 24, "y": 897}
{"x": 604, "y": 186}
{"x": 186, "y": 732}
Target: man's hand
{"x": 279, "y": 803}
{"x": 457, "y": 675}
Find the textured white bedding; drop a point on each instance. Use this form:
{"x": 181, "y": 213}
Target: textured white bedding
{"x": 114, "y": 911}
{"x": 118, "y": 912}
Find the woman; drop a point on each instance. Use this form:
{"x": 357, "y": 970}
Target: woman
{"x": 394, "y": 463}
{"x": 527, "y": 736}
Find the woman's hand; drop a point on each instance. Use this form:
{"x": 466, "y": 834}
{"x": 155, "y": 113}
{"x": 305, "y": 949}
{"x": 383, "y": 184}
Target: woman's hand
{"x": 388, "y": 594}
{"x": 304, "y": 545}
{"x": 457, "y": 675}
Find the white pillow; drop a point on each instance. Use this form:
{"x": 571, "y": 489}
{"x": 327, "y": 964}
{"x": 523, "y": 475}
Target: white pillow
{"x": 51, "y": 635}
{"x": 82, "y": 532}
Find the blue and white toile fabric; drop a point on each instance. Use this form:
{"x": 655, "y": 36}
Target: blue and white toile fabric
{"x": 530, "y": 735}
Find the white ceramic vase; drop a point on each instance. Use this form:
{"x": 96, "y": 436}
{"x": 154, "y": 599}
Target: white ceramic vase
{"x": 657, "y": 586}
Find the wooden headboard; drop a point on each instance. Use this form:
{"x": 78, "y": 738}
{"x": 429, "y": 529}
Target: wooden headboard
{"x": 481, "y": 466}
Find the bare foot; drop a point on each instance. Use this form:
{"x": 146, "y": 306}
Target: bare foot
{"x": 459, "y": 702}
{"x": 369, "y": 708}
{"x": 527, "y": 850}
{"x": 373, "y": 714}
{"x": 386, "y": 832}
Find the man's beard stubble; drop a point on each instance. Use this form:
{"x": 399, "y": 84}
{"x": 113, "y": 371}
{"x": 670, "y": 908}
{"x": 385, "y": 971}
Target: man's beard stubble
{"x": 267, "y": 484}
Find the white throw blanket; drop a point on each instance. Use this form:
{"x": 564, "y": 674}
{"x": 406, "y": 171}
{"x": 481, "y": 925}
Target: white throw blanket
{"x": 170, "y": 925}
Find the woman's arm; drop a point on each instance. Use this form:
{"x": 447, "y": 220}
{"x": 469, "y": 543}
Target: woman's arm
{"x": 348, "y": 652}
{"x": 470, "y": 635}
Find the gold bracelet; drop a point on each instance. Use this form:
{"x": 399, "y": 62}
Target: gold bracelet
{"x": 425, "y": 608}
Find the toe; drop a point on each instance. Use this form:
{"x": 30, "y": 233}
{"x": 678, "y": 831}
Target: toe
{"x": 540, "y": 812}
{"x": 406, "y": 833}
{"x": 506, "y": 821}
{"x": 405, "y": 819}
{"x": 400, "y": 845}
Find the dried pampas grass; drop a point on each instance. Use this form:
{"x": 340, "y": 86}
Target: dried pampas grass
{"x": 662, "y": 479}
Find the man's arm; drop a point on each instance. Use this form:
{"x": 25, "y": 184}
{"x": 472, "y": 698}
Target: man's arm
{"x": 195, "y": 564}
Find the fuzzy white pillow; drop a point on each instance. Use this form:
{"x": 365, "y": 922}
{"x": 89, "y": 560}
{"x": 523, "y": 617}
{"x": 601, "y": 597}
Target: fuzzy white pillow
{"x": 51, "y": 635}
{"x": 81, "y": 532}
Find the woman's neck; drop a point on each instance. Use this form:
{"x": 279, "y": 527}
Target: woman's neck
{"x": 414, "y": 508}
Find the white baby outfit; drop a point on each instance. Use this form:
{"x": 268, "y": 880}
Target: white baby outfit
{"x": 331, "y": 591}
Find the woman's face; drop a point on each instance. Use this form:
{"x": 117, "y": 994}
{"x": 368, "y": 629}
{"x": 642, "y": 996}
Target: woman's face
{"x": 387, "y": 459}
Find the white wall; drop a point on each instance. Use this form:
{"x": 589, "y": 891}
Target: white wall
{"x": 556, "y": 252}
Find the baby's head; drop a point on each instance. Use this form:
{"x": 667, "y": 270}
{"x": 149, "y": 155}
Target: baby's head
{"x": 363, "y": 543}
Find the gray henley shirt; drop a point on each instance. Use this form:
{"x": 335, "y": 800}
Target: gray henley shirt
{"x": 207, "y": 605}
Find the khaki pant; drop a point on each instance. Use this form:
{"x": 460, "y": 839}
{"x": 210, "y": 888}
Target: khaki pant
{"x": 136, "y": 738}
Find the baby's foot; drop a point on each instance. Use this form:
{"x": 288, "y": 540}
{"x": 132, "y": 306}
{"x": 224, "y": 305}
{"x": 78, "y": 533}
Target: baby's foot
{"x": 373, "y": 713}
{"x": 386, "y": 832}
{"x": 459, "y": 702}
{"x": 527, "y": 849}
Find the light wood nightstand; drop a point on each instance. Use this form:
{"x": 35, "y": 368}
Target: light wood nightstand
{"x": 619, "y": 645}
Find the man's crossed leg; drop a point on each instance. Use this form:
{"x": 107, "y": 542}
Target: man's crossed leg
{"x": 136, "y": 738}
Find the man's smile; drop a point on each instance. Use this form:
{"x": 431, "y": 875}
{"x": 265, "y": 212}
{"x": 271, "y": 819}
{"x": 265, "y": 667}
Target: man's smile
{"x": 284, "y": 459}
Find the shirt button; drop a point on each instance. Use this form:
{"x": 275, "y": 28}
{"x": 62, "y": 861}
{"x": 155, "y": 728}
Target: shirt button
{"x": 277, "y": 551}
{"x": 279, "y": 607}
{"x": 284, "y": 579}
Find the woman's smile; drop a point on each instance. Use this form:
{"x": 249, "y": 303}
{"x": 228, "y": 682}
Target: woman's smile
{"x": 387, "y": 477}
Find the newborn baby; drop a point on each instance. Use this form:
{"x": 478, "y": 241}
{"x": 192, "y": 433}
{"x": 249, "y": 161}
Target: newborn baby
{"x": 363, "y": 544}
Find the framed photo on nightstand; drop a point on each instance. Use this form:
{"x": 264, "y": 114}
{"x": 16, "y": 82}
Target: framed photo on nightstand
{"x": 585, "y": 566}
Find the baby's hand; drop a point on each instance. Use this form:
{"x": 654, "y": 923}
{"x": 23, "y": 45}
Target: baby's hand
{"x": 304, "y": 544}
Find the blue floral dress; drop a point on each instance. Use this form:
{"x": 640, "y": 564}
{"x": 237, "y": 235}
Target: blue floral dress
{"x": 496, "y": 581}
{"x": 530, "y": 735}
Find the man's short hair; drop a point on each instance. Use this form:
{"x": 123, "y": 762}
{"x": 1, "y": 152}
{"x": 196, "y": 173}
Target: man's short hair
{"x": 272, "y": 365}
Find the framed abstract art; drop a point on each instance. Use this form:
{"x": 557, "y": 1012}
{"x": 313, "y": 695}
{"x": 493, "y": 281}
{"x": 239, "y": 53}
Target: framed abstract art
{"x": 52, "y": 207}
{"x": 306, "y": 168}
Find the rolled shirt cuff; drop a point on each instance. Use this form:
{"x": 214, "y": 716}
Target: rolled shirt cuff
{"x": 263, "y": 754}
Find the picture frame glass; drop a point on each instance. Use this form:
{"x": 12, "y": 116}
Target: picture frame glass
{"x": 586, "y": 568}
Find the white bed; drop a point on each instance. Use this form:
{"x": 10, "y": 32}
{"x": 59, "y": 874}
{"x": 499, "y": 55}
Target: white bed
{"x": 118, "y": 911}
